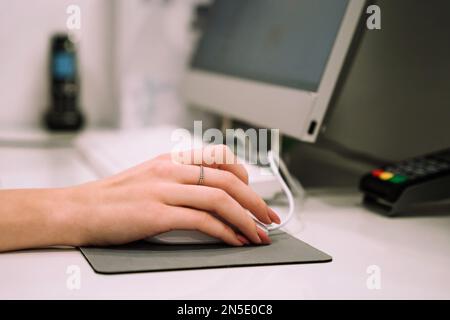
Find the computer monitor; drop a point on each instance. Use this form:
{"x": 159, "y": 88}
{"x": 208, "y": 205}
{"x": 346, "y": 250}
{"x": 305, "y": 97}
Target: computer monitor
{"x": 272, "y": 63}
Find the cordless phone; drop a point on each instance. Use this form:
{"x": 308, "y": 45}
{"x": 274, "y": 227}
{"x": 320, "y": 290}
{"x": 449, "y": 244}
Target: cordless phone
{"x": 63, "y": 114}
{"x": 396, "y": 186}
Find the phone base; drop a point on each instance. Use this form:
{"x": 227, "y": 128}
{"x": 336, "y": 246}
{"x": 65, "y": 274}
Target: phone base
{"x": 67, "y": 120}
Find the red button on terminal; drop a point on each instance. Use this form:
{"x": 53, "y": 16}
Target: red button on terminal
{"x": 377, "y": 172}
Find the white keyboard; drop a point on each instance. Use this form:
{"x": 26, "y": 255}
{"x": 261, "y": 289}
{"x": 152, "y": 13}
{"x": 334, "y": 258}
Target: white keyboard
{"x": 111, "y": 151}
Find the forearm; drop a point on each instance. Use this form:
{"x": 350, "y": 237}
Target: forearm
{"x": 36, "y": 218}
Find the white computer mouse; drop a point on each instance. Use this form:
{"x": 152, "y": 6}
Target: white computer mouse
{"x": 190, "y": 237}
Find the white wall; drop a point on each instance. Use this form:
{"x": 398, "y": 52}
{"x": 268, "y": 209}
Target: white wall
{"x": 25, "y": 30}
{"x": 153, "y": 43}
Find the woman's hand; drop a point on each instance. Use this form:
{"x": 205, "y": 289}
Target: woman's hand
{"x": 163, "y": 194}
{"x": 155, "y": 197}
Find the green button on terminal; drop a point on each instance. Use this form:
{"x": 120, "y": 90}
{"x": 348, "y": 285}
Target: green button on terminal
{"x": 398, "y": 179}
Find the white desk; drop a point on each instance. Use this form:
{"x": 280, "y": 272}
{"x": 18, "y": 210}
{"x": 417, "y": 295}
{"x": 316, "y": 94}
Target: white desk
{"x": 413, "y": 253}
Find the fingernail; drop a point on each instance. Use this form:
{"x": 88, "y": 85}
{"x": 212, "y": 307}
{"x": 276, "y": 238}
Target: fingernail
{"x": 264, "y": 236}
{"x": 243, "y": 239}
{"x": 259, "y": 240}
{"x": 269, "y": 215}
{"x": 274, "y": 216}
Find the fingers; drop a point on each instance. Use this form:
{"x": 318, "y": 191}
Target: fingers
{"x": 237, "y": 189}
{"x": 190, "y": 219}
{"x": 214, "y": 200}
{"x": 212, "y": 156}
{"x": 274, "y": 216}
{"x": 222, "y": 171}
{"x": 263, "y": 236}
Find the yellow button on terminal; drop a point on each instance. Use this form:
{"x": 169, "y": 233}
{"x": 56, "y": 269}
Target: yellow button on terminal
{"x": 386, "y": 175}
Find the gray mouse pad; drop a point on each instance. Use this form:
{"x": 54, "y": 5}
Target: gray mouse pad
{"x": 144, "y": 257}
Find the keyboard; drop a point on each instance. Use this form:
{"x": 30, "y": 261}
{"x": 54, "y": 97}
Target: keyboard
{"x": 109, "y": 152}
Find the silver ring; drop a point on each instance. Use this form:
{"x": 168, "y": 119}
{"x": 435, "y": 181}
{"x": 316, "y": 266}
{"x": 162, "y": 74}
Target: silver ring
{"x": 201, "y": 179}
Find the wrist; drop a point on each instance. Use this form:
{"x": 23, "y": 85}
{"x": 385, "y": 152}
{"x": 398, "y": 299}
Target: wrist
{"x": 66, "y": 213}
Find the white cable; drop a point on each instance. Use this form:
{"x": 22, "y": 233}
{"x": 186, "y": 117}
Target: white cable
{"x": 274, "y": 165}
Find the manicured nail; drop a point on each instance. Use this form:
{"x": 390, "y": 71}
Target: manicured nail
{"x": 259, "y": 240}
{"x": 274, "y": 216}
{"x": 243, "y": 239}
{"x": 263, "y": 236}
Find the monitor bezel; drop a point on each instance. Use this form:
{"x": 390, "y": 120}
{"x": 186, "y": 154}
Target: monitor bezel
{"x": 229, "y": 95}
